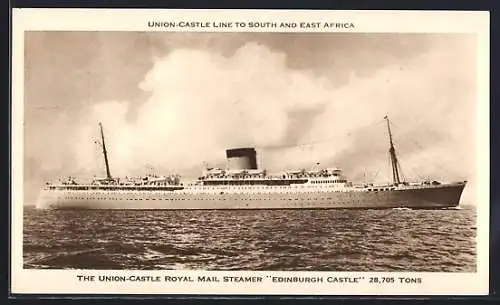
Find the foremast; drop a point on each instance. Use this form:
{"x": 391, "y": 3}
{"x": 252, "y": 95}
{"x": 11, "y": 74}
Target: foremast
{"x": 108, "y": 173}
{"x": 392, "y": 153}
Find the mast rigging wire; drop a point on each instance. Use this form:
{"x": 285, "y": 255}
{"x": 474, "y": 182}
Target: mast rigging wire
{"x": 310, "y": 143}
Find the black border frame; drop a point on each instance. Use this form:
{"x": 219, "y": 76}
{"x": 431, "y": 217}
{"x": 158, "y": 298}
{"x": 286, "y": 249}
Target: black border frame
{"x": 484, "y": 5}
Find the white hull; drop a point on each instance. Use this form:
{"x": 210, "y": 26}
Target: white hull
{"x": 441, "y": 196}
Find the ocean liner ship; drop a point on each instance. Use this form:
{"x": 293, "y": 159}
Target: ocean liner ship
{"x": 242, "y": 185}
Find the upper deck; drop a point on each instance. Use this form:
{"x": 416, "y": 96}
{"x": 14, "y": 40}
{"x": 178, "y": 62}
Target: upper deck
{"x": 219, "y": 176}
{"x": 150, "y": 182}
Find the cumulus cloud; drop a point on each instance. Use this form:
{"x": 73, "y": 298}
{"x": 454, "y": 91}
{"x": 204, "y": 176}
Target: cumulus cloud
{"x": 201, "y": 101}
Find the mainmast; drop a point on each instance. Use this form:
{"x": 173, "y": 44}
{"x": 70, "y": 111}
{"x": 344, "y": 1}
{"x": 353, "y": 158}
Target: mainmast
{"x": 108, "y": 174}
{"x": 392, "y": 153}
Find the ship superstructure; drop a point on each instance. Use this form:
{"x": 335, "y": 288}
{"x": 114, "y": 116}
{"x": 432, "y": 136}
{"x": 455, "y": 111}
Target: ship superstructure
{"x": 242, "y": 185}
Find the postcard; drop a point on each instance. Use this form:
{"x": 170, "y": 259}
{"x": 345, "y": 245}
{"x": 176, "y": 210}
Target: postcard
{"x": 255, "y": 152}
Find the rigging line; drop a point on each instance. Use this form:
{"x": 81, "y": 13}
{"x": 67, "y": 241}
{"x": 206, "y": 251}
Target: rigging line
{"x": 423, "y": 149}
{"x": 402, "y": 174}
{"x": 389, "y": 166}
{"x": 430, "y": 161}
{"x": 411, "y": 139}
{"x": 319, "y": 141}
{"x": 415, "y": 174}
{"x": 376, "y": 174}
{"x": 409, "y": 168}
{"x": 448, "y": 171}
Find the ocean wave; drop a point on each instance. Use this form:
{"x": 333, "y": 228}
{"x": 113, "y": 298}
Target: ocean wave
{"x": 323, "y": 240}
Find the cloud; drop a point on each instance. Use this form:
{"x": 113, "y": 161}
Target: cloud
{"x": 202, "y": 103}
{"x": 199, "y": 100}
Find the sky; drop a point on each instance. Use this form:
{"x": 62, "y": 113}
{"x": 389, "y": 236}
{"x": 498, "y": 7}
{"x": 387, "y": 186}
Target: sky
{"x": 175, "y": 101}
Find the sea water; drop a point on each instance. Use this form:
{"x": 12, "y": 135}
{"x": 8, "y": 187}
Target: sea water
{"x": 333, "y": 240}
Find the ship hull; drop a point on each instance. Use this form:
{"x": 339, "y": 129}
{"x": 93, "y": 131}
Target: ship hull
{"x": 428, "y": 197}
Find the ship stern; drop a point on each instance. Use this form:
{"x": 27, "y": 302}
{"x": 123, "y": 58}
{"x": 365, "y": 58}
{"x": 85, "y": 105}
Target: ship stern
{"x": 45, "y": 200}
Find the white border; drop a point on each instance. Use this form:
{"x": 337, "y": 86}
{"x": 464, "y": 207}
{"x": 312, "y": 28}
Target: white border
{"x": 65, "y": 281}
